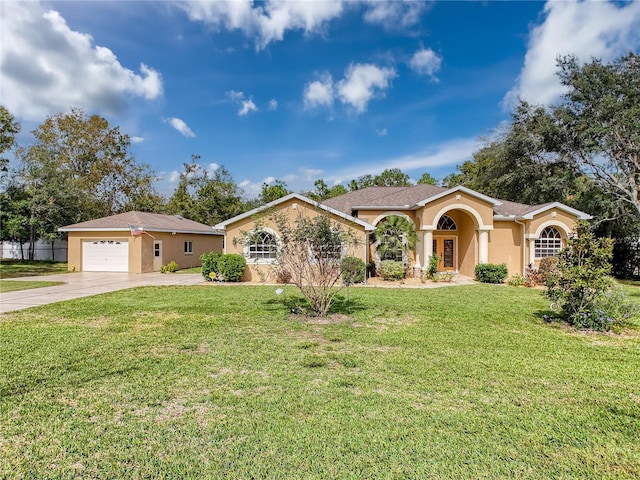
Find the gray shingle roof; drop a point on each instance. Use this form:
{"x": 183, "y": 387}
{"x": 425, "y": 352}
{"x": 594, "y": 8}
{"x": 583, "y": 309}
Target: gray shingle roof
{"x": 407, "y": 197}
{"x": 148, "y": 221}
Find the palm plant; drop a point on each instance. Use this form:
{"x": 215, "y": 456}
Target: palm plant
{"x": 395, "y": 234}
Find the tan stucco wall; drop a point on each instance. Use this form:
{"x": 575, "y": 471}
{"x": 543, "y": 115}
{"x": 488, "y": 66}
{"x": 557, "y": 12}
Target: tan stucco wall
{"x": 256, "y": 272}
{"x": 173, "y": 248}
{"x": 141, "y": 248}
{"x": 505, "y": 245}
{"x": 430, "y": 210}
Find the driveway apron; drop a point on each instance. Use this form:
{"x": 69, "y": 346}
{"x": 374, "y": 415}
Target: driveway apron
{"x": 85, "y": 284}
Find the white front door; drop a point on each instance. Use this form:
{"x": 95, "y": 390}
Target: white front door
{"x": 105, "y": 256}
{"x": 157, "y": 255}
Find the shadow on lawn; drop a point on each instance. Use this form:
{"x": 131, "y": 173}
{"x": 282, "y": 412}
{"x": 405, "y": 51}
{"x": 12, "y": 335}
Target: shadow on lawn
{"x": 299, "y": 305}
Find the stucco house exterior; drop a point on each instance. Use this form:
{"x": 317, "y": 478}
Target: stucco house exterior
{"x": 461, "y": 226}
{"x": 138, "y": 242}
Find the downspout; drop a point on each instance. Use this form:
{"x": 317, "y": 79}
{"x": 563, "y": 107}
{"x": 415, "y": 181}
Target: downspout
{"x": 524, "y": 248}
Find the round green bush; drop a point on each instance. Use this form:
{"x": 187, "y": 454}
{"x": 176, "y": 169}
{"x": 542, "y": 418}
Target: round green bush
{"x": 392, "y": 270}
{"x": 231, "y": 267}
{"x": 353, "y": 270}
{"x": 209, "y": 263}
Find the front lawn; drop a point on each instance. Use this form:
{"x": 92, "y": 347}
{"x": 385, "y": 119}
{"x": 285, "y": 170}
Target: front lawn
{"x": 25, "y": 268}
{"x": 219, "y": 381}
{"x": 15, "y": 285}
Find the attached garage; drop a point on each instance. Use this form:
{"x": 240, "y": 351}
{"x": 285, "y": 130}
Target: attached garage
{"x": 105, "y": 255}
{"x": 138, "y": 242}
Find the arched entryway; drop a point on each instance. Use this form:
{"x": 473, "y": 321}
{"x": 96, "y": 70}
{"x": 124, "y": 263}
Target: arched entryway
{"x": 458, "y": 237}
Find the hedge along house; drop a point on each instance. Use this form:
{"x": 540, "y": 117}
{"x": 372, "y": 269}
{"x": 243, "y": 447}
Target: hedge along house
{"x": 461, "y": 226}
{"x": 465, "y": 228}
{"x": 138, "y": 242}
{"x": 254, "y": 234}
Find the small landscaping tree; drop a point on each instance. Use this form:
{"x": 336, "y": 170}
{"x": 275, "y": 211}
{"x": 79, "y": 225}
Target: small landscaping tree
{"x": 394, "y": 235}
{"x": 583, "y": 291}
{"x": 311, "y": 250}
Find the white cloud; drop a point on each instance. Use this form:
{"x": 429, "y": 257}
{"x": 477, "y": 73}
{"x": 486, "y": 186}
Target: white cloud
{"x": 382, "y": 132}
{"x": 319, "y": 93}
{"x": 247, "y": 107}
{"x": 362, "y": 82}
{"x": 234, "y": 95}
{"x": 270, "y": 20}
{"x": 269, "y": 180}
{"x": 174, "y": 176}
{"x": 396, "y": 14}
{"x": 425, "y": 62}
{"x": 47, "y": 68}
{"x": 180, "y": 126}
{"x": 137, "y": 139}
{"x": 272, "y": 105}
{"x": 453, "y": 152}
{"x": 267, "y": 21}
{"x": 212, "y": 167}
{"x": 585, "y": 29}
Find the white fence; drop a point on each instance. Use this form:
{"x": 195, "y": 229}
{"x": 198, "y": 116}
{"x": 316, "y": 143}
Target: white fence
{"x": 43, "y": 250}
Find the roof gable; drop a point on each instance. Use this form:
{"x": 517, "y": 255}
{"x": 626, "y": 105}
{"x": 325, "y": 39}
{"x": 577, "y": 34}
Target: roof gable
{"x": 148, "y": 221}
{"x": 302, "y": 198}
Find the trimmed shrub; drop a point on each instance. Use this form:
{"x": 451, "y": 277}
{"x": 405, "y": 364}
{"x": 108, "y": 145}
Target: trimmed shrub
{"x": 491, "y": 272}
{"x": 549, "y": 270}
{"x": 517, "y": 281}
{"x": 392, "y": 270}
{"x": 210, "y": 265}
{"x": 353, "y": 270}
{"x": 231, "y": 267}
{"x": 432, "y": 269}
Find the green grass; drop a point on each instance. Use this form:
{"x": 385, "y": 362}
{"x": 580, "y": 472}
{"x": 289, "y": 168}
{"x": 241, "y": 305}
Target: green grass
{"x": 18, "y": 268}
{"x": 220, "y": 382}
{"x": 15, "y": 285}
{"x": 190, "y": 270}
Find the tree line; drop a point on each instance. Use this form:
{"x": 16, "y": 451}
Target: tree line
{"x": 583, "y": 151}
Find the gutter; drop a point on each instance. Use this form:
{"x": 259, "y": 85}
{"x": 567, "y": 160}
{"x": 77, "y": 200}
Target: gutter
{"x": 524, "y": 248}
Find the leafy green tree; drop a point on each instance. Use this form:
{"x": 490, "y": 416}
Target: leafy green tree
{"x": 392, "y": 177}
{"x": 9, "y": 128}
{"x": 600, "y": 115}
{"x": 14, "y": 216}
{"x": 583, "y": 290}
{"x": 361, "y": 182}
{"x": 394, "y": 234}
{"x": 91, "y": 159}
{"x": 182, "y": 201}
{"x": 274, "y": 191}
{"x": 427, "y": 179}
{"x": 322, "y": 191}
{"x": 205, "y": 197}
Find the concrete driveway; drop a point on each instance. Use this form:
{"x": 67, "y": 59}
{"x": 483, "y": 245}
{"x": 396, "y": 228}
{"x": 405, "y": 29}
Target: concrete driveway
{"x": 85, "y": 284}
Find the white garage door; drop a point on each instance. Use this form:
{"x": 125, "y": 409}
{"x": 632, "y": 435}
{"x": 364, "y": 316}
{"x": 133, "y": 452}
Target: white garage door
{"x": 105, "y": 256}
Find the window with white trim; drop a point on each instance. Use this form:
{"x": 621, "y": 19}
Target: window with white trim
{"x": 262, "y": 245}
{"x": 549, "y": 243}
{"x": 188, "y": 246}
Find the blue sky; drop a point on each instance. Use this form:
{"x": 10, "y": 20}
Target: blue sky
{"x": 300, "y": 90}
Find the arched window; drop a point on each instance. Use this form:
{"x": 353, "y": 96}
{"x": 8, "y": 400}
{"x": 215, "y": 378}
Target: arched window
{"x": 263, "y": 245}
{"x": 446, "y": 223}
{"x": 549, "y": 243}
